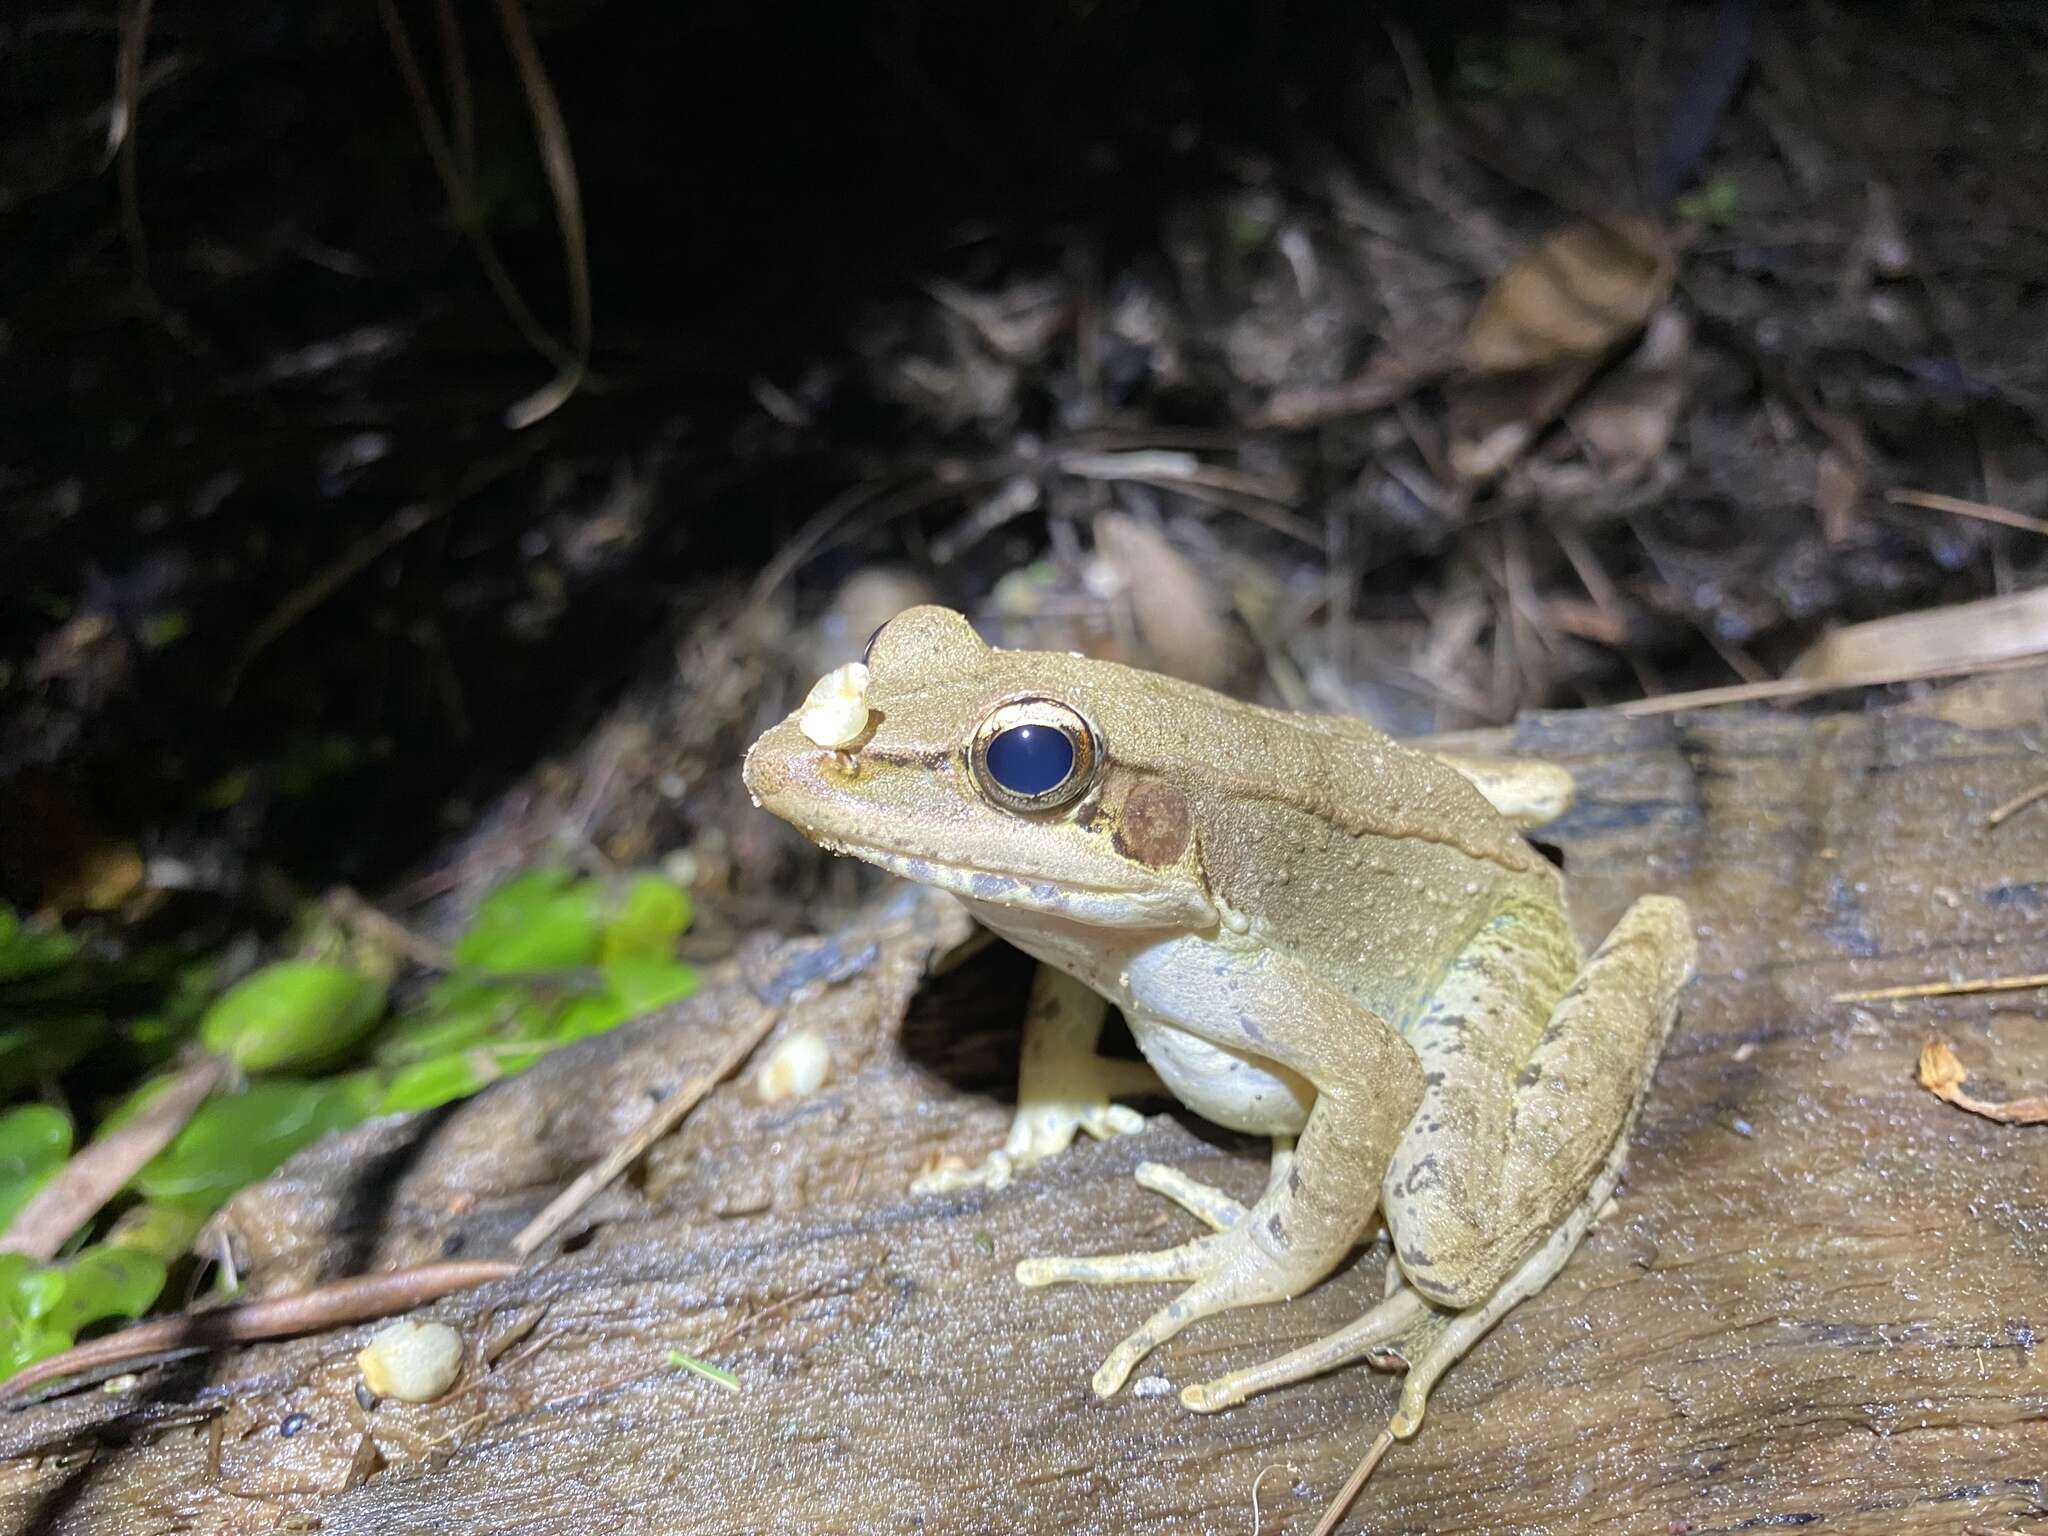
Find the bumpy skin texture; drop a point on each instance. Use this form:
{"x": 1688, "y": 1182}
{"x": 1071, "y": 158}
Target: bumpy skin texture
{"x": 1315, "y": 932}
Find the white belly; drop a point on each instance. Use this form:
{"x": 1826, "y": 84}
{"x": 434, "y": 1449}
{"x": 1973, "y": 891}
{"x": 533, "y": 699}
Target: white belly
{"x": 1232, "y": 1086}
{"x": 1243, "y": 1092}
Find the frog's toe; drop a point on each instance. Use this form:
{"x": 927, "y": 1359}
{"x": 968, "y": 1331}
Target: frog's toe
{"x": 1244, "y": 1278}
{"x": 1046, "y": 1127}
{"x": 1103, "y": 1121}
{"x": 994, "y": 1172}
{"x": 1203, "y": 1201}
{"x": 1186, "y": 1262}
{"x": 1040, "y": 1131}
{"x": 1401, "y": 1327}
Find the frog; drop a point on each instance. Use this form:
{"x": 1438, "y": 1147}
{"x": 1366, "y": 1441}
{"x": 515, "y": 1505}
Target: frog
{"x": 1316, "y": 933}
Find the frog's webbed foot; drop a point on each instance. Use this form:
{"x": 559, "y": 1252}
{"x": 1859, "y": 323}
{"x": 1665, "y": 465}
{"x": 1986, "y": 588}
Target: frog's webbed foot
{"x": 1407, "y": 1332}
{"x": 1226, "y": 1271}
{"x": 1039, "y": 1131}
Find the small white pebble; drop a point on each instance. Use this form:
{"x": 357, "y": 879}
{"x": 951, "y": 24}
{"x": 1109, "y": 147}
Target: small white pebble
{"x": 835, "y": 711}
{"x": 795, "y": 1069}
{"x": 1151, "y": 1386}
{"x": 413, "y": 1362}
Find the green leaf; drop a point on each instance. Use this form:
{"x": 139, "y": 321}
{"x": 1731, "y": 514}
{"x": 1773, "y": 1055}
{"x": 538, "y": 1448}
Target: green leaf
{"x": 633, "y": 986}
{"x": 54, "y": 1043}
{"x": 292, "y": 1015}
{"x": 430, "y": 1084}
{"x": 679, "y": 1361}
{"x": 1716, "y": 203}
{"x": 546, "y": 920}
{"x": 235, "y": 1139}
{"x": 103, "y": 1282}
{"x": 43, "y": 1306}
{"x": 26, "y": 951}
{"x": 646, "y": 918}
{"x": 461, "y": 1012}
{"x": 163, "y": 1228}
{"x": 443, "y": 1080}
{"x": 34, "y": 1141}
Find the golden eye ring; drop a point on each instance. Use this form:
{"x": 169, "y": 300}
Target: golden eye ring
{"x": 1035, "y": 754}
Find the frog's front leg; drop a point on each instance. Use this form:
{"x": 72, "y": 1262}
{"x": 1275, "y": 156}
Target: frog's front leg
{"x": 1368, "y": 1082}
{"x": 1063, "y": 1087}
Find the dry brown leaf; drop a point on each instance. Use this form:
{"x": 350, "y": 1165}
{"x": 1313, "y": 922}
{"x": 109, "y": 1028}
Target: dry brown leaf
{"x": 1176, "y": 614}
{"x": 1627, "y": 418}
{"x": 1954, "y": 638}
{"x": 1494, "y": 420}
{"x": 52, "y": 843}
{"x": 1837, "y": 489}
{"x": 1571, "y": 296}
{"x": 1942, "y": 1075}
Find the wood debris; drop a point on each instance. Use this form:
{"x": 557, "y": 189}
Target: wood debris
{"x": 1942, "y": 1075}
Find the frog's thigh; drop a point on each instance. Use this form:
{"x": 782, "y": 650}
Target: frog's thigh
{"x": 1525, "y": 1093}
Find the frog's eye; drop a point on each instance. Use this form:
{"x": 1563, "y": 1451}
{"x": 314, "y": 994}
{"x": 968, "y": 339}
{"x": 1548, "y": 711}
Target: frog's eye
{"x": 1035, "y": 755}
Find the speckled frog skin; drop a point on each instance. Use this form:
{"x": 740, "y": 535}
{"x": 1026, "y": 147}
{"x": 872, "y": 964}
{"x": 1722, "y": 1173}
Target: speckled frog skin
{"x": 1316, "y": 934}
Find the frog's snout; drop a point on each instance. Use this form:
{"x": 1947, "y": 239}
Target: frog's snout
{"x": 787, "y": 775}
{"x": 765, "y": 772}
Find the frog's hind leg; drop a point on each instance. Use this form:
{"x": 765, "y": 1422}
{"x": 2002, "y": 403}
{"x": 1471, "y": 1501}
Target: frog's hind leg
{"x": 1505, "y": 1146}
{"x": 1406, "y": 1330}
{"x": 1582, "y": 1087}
{"x": 1205, "y": 1201}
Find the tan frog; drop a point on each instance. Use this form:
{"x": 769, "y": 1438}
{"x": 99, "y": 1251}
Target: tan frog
{"x": 1315, "y": 933}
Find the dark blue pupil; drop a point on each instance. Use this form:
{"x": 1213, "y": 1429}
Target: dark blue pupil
{"x": 1030, "y": 759}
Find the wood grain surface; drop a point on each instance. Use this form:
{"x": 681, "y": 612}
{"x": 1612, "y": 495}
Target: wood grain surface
{"x": 1816, "y": 1305}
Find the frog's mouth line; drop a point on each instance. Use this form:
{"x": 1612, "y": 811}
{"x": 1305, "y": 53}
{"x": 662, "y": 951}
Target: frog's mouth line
{"x": 1095, "y": 905}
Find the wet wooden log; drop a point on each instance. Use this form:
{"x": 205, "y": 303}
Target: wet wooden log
{"x": 1816, "y": 1304}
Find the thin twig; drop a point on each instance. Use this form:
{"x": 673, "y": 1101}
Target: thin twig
{"x": 1261, "y": 499}
{"x": 121, "y": 134}
{"x": 662, "y": 1119}
{"x": 350, "y": 908}
{"x": 1339, "y": 1506}
{"x": 354, "y": 1300}
{"x": 322, "y": 585}
{"x": 403, "y": 524}
{"x": 2017, "y": 803}
{"x": 461, "y": 103}
{"x": 1943, "y": 988}
{"x": 97, "y": 1172}
{"x": 1942, "y": 1075}
{"x": 460, "y": 192}
{"x": 560, "y": 164}
{"x": 1983, "y": 511}
{"x": 1810, "y": 687}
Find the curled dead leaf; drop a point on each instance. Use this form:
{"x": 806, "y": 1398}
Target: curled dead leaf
{"x": 1942, "y": 1075}
{"x": 1572, "y": 295}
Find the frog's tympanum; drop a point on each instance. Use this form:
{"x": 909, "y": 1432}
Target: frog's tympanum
{"x": 1316, "y": 933}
